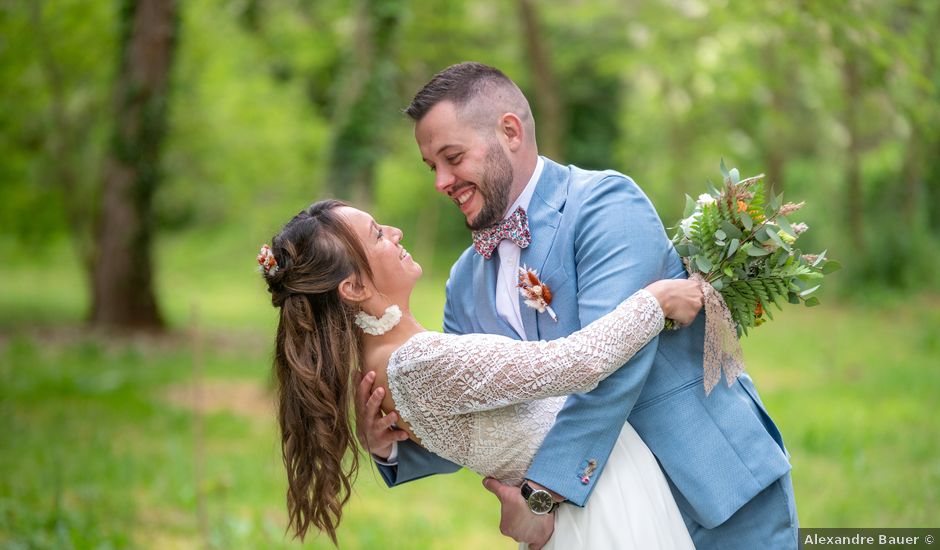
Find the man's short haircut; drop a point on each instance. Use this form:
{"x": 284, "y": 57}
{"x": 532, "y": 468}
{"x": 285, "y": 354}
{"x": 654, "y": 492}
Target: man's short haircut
{"x": 464, "y": 82}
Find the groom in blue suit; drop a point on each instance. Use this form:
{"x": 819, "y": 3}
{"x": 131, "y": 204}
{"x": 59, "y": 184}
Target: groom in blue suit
{"x": 595, "y": 239}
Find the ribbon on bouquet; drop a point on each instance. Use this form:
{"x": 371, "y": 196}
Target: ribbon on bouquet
{"x": 722, "y": 348}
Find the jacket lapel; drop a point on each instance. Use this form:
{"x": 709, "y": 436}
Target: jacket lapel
{"x": 544, "y": 217}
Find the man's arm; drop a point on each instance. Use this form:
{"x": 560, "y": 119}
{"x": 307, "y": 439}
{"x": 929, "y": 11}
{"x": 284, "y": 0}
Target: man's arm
{"x": 620, "y": 247}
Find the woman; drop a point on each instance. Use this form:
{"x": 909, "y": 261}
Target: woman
{"x": 343, "y": 284}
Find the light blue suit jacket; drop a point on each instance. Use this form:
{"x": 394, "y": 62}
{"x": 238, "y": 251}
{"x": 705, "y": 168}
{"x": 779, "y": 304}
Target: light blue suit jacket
{"x": 596, "y": 239}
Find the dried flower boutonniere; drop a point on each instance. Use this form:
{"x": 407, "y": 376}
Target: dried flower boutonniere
{"x": 536, "y": 293}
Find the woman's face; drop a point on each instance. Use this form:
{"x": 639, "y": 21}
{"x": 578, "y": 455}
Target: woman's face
{"x": 394, "y": 272}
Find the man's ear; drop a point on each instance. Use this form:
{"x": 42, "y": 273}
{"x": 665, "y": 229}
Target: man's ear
{"x": 351, "y": 289}
{"x": 511, "y": 128}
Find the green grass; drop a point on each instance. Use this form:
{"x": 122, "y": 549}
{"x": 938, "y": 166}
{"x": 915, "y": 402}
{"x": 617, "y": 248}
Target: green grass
{"x": 100, "y": 445}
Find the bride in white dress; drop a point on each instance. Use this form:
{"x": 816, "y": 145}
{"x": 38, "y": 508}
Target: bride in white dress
{"x": 482, "y": 401}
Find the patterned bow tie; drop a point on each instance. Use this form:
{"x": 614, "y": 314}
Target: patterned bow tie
{"x": 514, "y": 228}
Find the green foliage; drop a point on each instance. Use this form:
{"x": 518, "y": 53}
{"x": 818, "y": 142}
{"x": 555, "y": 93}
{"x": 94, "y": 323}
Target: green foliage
{"x": 656, "y": 92}
{"x": 741, "y": 242}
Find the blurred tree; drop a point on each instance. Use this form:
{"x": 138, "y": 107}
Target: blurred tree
{"x": 548, "y": 104}
{"x": 274, "y": 100}
{"x": 364, "y": 106}
{"x": 53, "y": 106}
{"x": 67, "y": 129}
{"x": 123, "y": 269}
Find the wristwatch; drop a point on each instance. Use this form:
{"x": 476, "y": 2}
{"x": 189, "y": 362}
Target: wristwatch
{"x": 540, "y": 501}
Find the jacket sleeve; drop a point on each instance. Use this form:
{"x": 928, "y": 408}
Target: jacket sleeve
{"x": 620, "y": 246}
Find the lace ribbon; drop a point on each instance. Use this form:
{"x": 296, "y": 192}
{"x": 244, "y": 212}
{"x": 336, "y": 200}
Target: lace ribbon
{"x": 722, "y": 348}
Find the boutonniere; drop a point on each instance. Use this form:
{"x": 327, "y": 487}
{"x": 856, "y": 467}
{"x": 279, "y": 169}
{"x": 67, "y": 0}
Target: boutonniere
{"x": 536, "y": 293}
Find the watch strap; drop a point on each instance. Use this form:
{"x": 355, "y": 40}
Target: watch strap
{"x": 527, "y": 491}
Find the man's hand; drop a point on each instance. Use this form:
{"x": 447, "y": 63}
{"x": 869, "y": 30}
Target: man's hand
{"x": 374, "y": 429}
{"x": 516, "y": 520}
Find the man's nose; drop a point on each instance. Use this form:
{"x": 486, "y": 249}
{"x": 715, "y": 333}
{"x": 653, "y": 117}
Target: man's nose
{"x": 443, "y": 180}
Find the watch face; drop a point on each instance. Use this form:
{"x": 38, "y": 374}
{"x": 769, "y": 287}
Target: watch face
{"x": 540, "y": 502}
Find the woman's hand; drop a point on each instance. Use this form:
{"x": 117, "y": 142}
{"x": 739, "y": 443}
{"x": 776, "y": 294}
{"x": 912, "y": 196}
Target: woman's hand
{"x": 681, "y": 299}
{"x": 376, "y": 431}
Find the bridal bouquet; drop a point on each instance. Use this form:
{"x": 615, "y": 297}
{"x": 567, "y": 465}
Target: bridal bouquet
{"x": 739, "y": 241}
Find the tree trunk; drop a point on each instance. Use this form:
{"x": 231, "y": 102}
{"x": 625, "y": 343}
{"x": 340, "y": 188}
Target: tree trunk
{"x": 366, "y": 103}
{"x": 547, "y": 100}
{"x": 124, "y": 294}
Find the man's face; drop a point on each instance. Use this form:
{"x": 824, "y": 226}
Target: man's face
{"x": 470, "y": 166}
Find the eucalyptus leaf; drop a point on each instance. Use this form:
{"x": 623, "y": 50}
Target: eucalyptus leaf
{"x": 761, "y": 235}
{"x": 830, "y": 266}
{"x": 776, "y": 238}
{"x": 712, "y": 190}
{"x": 733, "y": 247}
{"x": 734, "y": 175}
{"x": 724, "y": 170}
{"x": 746, "y": 220}
{"x": 785, "y": 225}
{"x": 808, "y": 291}
{"x": 703, "y": 263}
{"x": 775, "y": 201}
{"x": 689, "y": 207}
{"x": 720, "y": 235}
{"x": 757, "y": 251}
{"x": 731, "y": 230}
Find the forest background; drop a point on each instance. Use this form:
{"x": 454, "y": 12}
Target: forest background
{"x": 148, "y": 148}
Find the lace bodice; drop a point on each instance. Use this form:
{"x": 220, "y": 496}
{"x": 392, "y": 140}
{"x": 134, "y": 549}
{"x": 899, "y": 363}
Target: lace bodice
{"x": 486, "y": 401}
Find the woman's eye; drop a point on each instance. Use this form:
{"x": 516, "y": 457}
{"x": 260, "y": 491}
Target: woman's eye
{"x": 380, "y": 234}
{"x": 454, "y": 159}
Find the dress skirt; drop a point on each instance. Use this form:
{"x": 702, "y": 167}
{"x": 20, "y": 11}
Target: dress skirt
{"x": 630, "y": 508}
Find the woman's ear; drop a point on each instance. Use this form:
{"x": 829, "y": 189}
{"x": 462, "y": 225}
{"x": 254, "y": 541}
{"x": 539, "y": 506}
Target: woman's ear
{"x": 352, "y": 290}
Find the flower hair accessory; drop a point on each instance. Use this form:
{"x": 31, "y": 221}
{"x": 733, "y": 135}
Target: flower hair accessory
{"x": 266, "y": 262}
{"x": 377, "y": 326}
{"x": 536, "y": 293}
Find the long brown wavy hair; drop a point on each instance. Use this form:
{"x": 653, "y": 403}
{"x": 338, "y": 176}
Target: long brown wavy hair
{"x": 317, "y": 348}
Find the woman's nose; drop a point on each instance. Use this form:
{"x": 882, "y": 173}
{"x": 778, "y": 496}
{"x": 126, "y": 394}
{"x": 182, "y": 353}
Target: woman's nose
{"x": 397, "y": 234}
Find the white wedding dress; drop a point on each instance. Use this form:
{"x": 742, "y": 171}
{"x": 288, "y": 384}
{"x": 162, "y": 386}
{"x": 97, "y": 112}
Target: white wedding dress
{"x": 486, "y": 402}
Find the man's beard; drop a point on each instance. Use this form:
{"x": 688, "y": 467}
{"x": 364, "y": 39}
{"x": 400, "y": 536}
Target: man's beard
{"x": 494, "y": 186}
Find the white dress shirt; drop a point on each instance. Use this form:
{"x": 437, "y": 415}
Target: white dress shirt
{"x": 507, "y": 293}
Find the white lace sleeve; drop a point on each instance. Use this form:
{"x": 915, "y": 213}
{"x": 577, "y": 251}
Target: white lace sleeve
{"x": 454, "y": 374}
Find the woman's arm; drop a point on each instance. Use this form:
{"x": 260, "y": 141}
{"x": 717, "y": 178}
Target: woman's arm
{"x": 453, "y": 374}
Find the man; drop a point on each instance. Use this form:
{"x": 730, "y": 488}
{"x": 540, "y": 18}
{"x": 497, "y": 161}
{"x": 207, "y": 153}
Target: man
{"x": 595, "y": 239}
